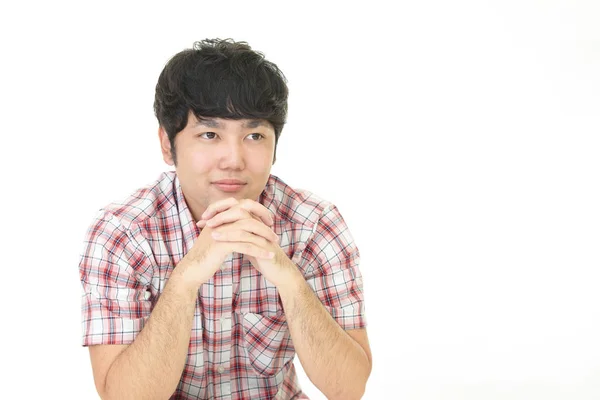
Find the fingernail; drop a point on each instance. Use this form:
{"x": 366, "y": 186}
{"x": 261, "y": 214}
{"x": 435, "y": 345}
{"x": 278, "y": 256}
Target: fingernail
{"x": 216, "y": 234}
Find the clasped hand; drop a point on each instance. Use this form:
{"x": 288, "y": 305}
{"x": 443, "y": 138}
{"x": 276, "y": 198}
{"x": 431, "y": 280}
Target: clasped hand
{"x": 242, "y": 226}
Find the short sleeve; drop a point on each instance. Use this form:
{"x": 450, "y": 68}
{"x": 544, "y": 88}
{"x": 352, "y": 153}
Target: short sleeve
{"x": 116, "y": 297}
{"x": 330, "y": 262}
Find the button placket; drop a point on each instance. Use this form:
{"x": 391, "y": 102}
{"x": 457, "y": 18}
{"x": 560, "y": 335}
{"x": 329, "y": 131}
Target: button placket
{"x": 225, "y": 323}
{"x": 223, "y": 326}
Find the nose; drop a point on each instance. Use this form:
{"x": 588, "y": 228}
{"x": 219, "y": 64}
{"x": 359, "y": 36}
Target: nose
{"x": 232, "y": 156}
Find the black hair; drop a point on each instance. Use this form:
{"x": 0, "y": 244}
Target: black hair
{"x": 220, "y": 78}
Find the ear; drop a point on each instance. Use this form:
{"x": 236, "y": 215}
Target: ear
{"x": 165, "y": 146}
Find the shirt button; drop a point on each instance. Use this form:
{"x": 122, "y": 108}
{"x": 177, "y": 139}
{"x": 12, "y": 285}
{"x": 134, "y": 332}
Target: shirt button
{"x": 224, "y": 323}
{"x": 221, "y": 369}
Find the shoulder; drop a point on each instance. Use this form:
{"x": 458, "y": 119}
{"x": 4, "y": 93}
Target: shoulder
{"x": 298, "y": 206}
{"x": 145, "y": 203}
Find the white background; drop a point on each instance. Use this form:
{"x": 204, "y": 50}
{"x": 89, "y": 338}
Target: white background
{"x": 458, "y": 139}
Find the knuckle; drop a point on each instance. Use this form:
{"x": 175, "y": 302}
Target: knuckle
{"x": 265, "y": 243}
{"x": 240, "y": 211}
{"x": 244, "y": 214}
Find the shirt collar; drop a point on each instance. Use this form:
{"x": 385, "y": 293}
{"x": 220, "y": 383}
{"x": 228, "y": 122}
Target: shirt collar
{"x": 267, "y": 196}
{"x": 188, "y": 227}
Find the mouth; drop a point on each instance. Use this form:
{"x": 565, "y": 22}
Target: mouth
{"x": 229, "y": 186}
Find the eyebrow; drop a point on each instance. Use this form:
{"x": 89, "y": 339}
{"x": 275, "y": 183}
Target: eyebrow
{"x": 255, "y": 123}
{"x": 209, "y": 123}
{"x": 212, "y": 123}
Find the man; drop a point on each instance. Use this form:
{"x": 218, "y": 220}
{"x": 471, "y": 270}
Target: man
{"x": 206, "y": 283}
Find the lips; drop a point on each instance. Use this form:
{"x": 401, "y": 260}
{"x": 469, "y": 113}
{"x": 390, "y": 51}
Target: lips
{"x": 230, "y": 182}
{"x": 229, "y": 185}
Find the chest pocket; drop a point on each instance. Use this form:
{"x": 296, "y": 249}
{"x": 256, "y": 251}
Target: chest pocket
{"x": 267, "y": 342}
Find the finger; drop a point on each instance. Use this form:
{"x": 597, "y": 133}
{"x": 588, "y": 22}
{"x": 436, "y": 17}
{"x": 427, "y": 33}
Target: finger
{"x": 218, "y": 207}
{"x": 252, "y": 226}
{"x": 228, "y": 216}
{"x": 202, "y": 223}
{"x": 241, "y": 236}
{"x": 257, "y": 209}
{"x": 249, "y": 249}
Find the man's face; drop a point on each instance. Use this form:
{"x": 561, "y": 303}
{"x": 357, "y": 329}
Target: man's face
{"x": 220, "y": 149}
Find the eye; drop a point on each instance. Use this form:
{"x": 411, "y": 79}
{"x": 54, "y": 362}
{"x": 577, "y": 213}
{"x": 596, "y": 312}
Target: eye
{"x": 211, "y": 135}
{"x": 257, "y": 136}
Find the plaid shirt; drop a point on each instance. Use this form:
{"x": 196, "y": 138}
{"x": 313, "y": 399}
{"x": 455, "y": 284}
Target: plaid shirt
{"x": 240, "y": 346}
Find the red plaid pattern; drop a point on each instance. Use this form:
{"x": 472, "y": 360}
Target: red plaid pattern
{"x": 240, "y": 345}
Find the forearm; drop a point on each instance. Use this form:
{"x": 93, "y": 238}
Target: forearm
{"x": 151, "y": 367}
{"x": 334, "y": 362}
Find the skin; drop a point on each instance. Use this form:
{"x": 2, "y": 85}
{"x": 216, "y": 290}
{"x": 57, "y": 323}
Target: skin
{"x": 338, "y": 362}
{"x": 220, "y": 149}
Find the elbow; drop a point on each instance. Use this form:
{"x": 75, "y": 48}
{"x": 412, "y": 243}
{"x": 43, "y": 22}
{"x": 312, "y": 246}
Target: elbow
{"x": 358, "y": 393}
{"x": 355, "y": 390}
{"x": 351, "y": 392}
{"x": 101, "y": 389}
{"x": 355, "y": 395}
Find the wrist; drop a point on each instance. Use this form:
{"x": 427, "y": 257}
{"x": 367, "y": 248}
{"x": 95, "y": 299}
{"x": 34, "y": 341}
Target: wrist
{"x": 293, "y": 281}
{"x": 181, "y": 284}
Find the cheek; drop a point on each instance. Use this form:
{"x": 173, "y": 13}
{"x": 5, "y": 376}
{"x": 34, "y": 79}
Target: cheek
{"x": 259, "y": 165}
{"x": 199, "y": 162}
{"x": 261, "y": 159}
